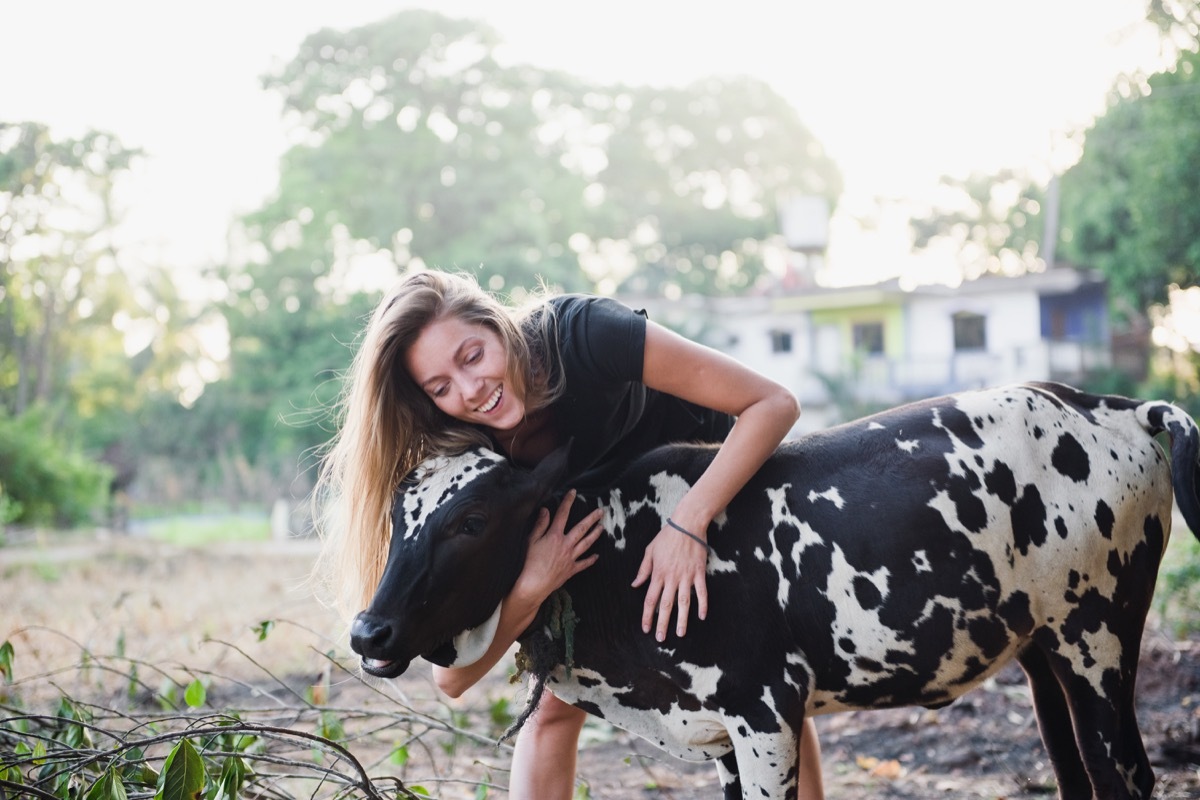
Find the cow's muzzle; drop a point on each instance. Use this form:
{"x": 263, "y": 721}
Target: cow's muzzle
{"x": 372, "y": 637}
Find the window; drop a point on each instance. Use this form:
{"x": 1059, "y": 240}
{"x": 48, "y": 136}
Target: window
{"x": 970, "y": 331}
{"x": 781, "y": 341}
{"x": 868, "y": 337}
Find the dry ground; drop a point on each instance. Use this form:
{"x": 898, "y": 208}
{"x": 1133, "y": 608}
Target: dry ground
{"x": 193, "y": 612}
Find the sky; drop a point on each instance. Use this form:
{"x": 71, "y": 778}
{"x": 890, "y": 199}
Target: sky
{"x": 899, "y": 93}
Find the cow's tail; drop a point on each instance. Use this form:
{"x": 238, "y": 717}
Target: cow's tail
{"x": 1161, "y": 417}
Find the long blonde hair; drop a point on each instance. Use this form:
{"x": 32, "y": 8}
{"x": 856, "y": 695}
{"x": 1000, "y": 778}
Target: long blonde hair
{"x": 388, "y": 425}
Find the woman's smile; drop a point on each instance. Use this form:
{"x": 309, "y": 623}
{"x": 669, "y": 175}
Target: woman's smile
{"x": 492, "y": 401}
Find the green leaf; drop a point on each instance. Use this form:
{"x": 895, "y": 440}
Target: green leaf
{"x": 263, "y": 628}
{"x": 481, "y": 792}
{"x": 195, "y": 694}
{"x": 419, "y": 791}
{"x": 400, "y": 755}
{"x": 132, "y": 688}
{"x": 183, "y": 774}
{"x": 233, "y": 774}
{"x": 109, "y": 787}
{"x": 168, "y": 694}
{"x": 136, "y": 770}
{"x": 331, "y": 727}
{"x": 6, "y": 659}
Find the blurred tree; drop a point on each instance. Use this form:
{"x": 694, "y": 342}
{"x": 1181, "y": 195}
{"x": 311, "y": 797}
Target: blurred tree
{"x": 72, "y": 307}
{"x": 413, "y": 142}
{"x": 1131, "y": 206}
{"x": 58, "y": 273}
{"x": 995, "y": 221}
{"x": 413, "y": 146}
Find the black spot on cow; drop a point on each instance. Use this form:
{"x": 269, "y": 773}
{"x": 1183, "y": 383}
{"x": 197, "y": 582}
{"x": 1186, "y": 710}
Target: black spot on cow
{"x": 1015, "y": 611}
{"x": 868, "y": 665}
{"x": 1001, "y": 483}
{"x": 988, "y": 634}
{"x": 1060, "y": 525}
{"x": 1070, "y": 459}
{"x": 847, "y": 645}
{"x": 587, "y": 682}
{"x": 1029, "y": 520}
{"x": 971, "y": 512}
{"x": 1104, "y": 519}
{"x": 1038, "y": 432}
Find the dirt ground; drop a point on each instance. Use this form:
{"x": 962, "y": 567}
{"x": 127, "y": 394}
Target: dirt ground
{"x": 199, "y": 612}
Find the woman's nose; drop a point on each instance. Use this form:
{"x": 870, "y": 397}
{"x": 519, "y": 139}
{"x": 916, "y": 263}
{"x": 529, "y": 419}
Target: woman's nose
{"x": 471, "y": 390}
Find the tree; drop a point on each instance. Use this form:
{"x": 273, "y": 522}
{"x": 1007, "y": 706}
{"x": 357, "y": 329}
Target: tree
{"x": 72, "y": 306}
{"x": 416, "y": 143}
{"x": 995, "y": 221}
{"x": 415, "y": 147}
{"x": 1131, "y": 206}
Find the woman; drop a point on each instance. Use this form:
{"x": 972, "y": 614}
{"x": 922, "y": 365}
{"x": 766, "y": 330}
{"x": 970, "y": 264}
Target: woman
{"x": 443, "y": 365}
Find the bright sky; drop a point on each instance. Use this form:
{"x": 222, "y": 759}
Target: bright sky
{"x": 900, "y": 93}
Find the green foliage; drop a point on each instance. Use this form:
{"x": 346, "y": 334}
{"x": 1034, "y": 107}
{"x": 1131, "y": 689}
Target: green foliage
{"x": 995, "y": 221}
{"x": 1131, "y": 206}
{"x": 45, "y": 481}
{"x": 183, "y": 775}
{"x": 196, "y": 694}
{"x": 420, "y": 147}
{"x": 194, "y": 531}
{"x": 1177, "y": 594}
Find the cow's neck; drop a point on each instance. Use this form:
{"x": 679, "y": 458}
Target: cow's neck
{"x": 531, "y": 440}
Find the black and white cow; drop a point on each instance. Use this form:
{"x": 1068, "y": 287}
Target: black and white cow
{"x": 897, "y": 560}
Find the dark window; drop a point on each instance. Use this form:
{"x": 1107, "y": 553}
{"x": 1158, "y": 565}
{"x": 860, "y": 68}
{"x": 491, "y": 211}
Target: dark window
{"x": 970, "y": 331}
{"x": 868, "y": 337}
{"x": 781, "y": 341}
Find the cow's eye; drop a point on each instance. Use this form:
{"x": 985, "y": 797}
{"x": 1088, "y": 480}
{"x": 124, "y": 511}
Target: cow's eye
{"x": 473, "y": 525}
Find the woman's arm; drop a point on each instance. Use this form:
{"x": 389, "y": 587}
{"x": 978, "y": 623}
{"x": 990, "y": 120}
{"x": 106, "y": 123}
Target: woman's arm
{"x": 674, "y": 564}
{"x": 553, "y": 558}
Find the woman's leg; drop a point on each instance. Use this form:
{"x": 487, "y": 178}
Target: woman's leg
{"x": 810, "y": 783}
{"x": 543, "y": 762}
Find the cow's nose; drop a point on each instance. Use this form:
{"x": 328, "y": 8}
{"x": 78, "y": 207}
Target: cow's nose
{"x": 369, "y": 634}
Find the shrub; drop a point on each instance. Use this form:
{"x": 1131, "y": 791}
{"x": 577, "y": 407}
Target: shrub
{"x": 45, "y": 481}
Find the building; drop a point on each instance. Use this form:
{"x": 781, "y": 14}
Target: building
{"x": 847, "y": 351}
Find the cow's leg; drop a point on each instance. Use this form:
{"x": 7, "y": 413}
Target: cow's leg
{"x": 1054, "y": 722}
{"x": 1107, "y": 733}
{"x": 768, "y": 764}
{"x": 727, "y": 768}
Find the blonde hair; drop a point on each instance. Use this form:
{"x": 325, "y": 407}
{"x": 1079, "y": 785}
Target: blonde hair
{"x": 388, "y": 425}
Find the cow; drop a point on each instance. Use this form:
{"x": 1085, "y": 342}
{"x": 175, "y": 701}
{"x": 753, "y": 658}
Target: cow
{"x": 897, "y": 560}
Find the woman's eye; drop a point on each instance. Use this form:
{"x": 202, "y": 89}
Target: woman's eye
{"x": 475, "y": 355}
{"x": 439, "y": 391}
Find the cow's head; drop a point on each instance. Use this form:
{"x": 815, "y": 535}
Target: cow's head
{"x": 460, "y": 530}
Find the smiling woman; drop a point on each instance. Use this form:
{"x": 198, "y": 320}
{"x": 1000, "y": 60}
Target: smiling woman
{"x": 443, "y": 366}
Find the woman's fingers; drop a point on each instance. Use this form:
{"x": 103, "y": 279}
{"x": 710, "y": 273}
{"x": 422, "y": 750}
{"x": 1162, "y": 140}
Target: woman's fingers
{"x": 673, "y": 573}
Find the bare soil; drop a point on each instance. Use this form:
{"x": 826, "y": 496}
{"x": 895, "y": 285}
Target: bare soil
{"x": 198, "y": 612}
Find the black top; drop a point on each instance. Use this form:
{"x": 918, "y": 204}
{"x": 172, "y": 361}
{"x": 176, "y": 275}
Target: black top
{"x": 606, "y": 410}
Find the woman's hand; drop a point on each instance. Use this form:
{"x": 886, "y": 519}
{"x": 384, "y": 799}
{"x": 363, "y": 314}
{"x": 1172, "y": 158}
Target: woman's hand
{"x": 675, "y": 565}
{"x": 554, "y": 557}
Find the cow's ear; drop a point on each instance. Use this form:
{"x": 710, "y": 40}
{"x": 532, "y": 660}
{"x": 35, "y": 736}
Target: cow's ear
{"x": 552, "y": 469}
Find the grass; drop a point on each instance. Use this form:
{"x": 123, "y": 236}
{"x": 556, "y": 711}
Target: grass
{"x": 1177, "y": 594}
{"x": 193, "y": 531}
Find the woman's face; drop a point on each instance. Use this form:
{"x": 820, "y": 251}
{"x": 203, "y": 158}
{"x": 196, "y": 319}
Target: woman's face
{"x": 463, "y": 367}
